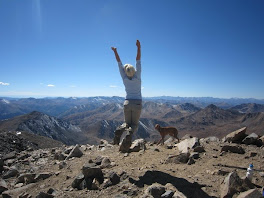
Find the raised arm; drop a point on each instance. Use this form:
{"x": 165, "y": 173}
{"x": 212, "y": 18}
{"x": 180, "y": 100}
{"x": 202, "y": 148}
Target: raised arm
{"x": 116, "y": 54}
{"x": 138, "y": 59}
{"x": 138, "y": 50}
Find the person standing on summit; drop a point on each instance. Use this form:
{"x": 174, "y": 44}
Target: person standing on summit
{"x": 133, "y": 102}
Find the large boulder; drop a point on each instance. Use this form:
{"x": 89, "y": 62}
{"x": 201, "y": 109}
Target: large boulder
{"x": 236, "y": 136}
{"x": 187, "y": 144}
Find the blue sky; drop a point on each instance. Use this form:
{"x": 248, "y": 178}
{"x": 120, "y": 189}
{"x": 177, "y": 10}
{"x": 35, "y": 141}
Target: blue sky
{"x": 189, "y": 48}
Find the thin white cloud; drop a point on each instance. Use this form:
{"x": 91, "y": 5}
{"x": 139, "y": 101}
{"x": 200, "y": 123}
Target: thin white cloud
{"x": 113, "y": 86}
{"x": 72, "y": 86}
{"x": 50, "y": 85}
{"x": 142, "y": 87}
{"x": 4, "y": 84}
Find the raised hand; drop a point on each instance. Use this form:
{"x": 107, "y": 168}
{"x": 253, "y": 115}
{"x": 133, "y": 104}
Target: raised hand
{"x": 138, "y": 44}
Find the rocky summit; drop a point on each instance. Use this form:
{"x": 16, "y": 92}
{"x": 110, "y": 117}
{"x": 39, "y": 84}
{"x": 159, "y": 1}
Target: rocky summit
{"x": 194, "y": 167}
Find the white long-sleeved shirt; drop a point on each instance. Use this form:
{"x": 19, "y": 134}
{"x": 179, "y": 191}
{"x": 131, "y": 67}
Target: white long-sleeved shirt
{"x": 132, "y": 86}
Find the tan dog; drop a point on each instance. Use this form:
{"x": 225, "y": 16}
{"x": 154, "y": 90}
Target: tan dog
{"x": 172, "y": 131}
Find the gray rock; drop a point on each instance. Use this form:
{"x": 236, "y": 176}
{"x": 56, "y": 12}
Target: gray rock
{"x": 178, "y": 159}
{"x": 98, "y": 160}
{"x": 62, "y": 165}
{"x": 236, "y": 136}
{"x": 199, "y": 149}
{"x": 93, "y": 171}
{"x": 44, "y": 195}
{"x": 209, "y": 139}
{"x": 68, "y": 150}
{"x": 262, "y": 139}
{"x": 1, "y": 165}
{"x": 76, "y": 152}
{"x": 138, "y": 145}
{"x": 187, "y": 144}
{"x": 3, "y": 186}
{"x": 10, "y": 155}
{"x": 77, "y": 181}
{"x": 233, "y": 184}
{"x": 126, "y": 142}
{"x": 24, "y": 195}
{"x": 105, "y": 162}
{"x": 194, "y": 155}
{"x": 60, "y": 156}
{"x": 12, "y": 172}
{"x": 26, "y": 178}
{"x": 52, "y": 191}
{"x": 252, "y": 139}
{"x": 233, "y": 149}
{"x": 114, "y": 178}
{"x": 253, "y": 193}
{"x": 187, "y": 136}
{"x": 42, "y": 176}
{"x": 24, "y": 156}
{"x": 155, "y": 190}
{"x": 190, "y": 161}
{"x": 167, "y": 194}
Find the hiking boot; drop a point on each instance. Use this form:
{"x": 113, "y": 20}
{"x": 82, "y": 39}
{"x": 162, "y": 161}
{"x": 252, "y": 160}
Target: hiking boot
{"x": 126, "y": 142}
{"x": 118, "y": 133}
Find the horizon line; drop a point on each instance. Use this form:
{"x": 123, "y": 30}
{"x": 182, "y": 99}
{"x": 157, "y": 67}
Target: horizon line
{"x": 42, "y": 97}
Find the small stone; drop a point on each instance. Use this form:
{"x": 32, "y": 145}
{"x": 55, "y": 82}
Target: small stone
{"x": 62, "y": 165}
{"x": 190, "y": 161}
{"x": 24, "y": 195}
{"x": 43, "y": 176}
{"x": 167, "y": 194}
{"x": 77, "y": 181}
{"x": 44, "y": 195}
{"x": 19, "y": 185}
{"x": 253, "y": 154}
{"x": 233, "y": 149}
{"x": 178, "y": 159}
{"x": 105, "y": 162}
{"x": 114, "y": 178}
{"x": 155, "y": 190}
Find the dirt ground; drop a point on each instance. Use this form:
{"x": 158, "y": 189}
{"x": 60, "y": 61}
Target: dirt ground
{"x": 141, "y": 169}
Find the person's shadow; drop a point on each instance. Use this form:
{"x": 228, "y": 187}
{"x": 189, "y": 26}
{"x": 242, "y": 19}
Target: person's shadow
{"x": 190, "y": 190}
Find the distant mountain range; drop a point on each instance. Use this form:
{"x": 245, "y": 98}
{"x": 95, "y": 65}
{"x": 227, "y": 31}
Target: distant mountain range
{"x": 44, "y": 125}
{"x": 87, "y": 120}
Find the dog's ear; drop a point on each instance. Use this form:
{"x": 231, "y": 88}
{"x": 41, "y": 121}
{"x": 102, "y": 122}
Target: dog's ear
{"x": 157, "y": 126}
